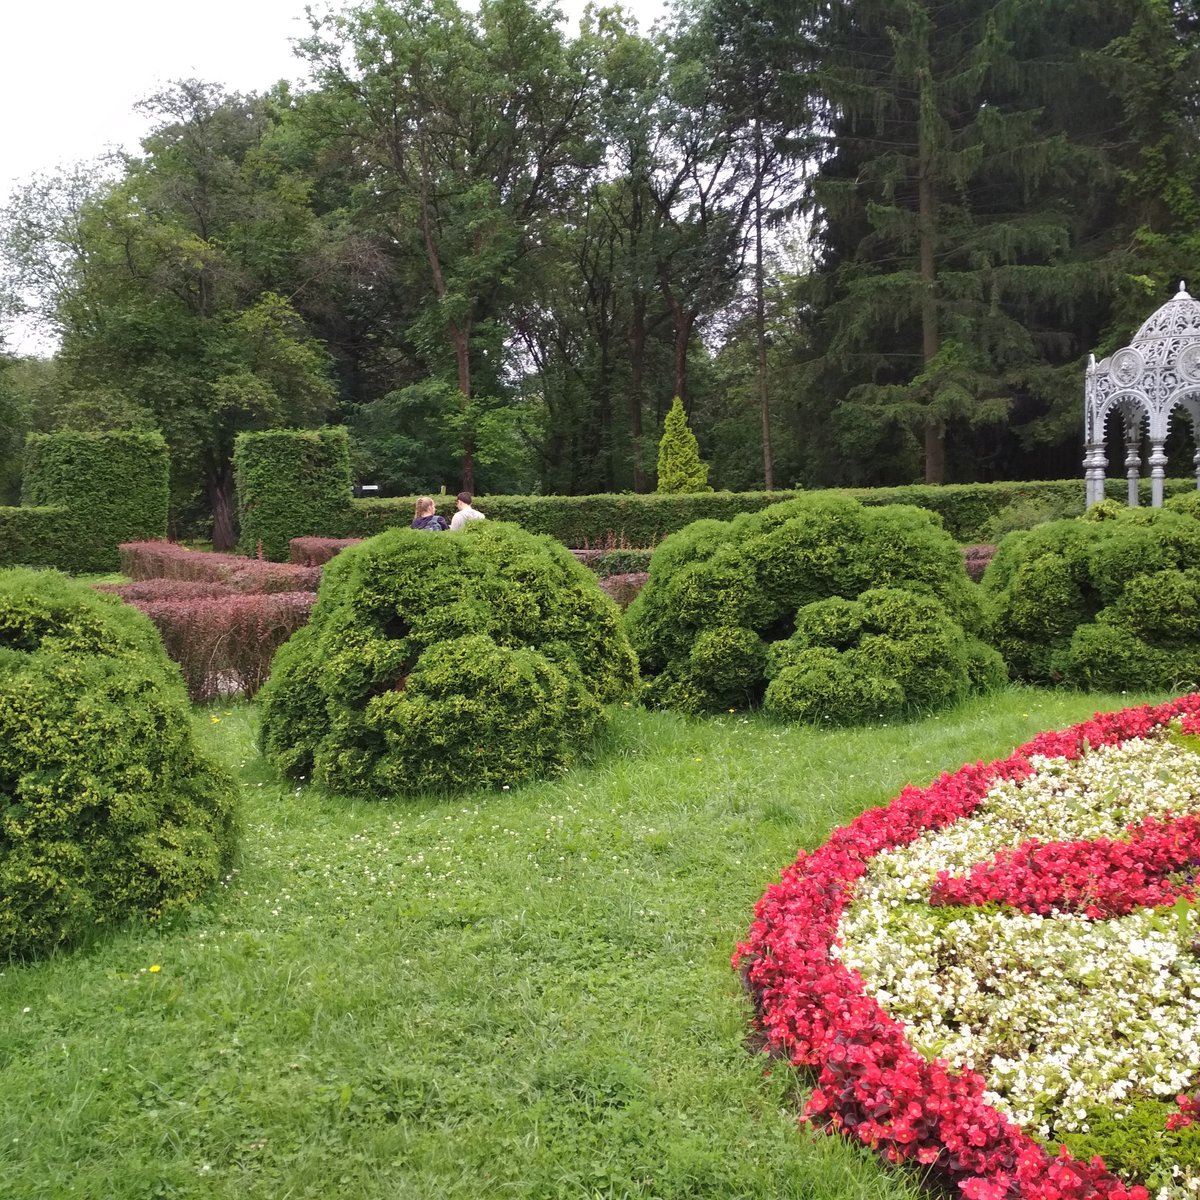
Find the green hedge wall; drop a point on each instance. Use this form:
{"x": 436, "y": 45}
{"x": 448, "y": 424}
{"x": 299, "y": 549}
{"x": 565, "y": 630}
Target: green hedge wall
{"x": 643, "y": 520}
{"x": 291, "y": 483}
{"x": 82, "y": 495}
{"x": 35, "y": 537}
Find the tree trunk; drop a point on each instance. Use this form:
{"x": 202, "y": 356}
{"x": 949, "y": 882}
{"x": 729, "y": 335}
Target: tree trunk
{"x": 637, "y": 364}
{"x": 760, "y": 311}
{"x": 684, "y": 324}
{"x": 927, "y": 218}
{"x": 935, "y": 451}
{"x": 218, "y": 484}
{"x": 462, "y": 356}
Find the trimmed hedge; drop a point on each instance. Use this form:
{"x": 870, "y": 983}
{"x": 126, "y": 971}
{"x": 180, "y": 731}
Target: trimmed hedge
{"x": 445, "y": 661}
{"x": 36, "y": 537}
{"x": 1108, "y": 601}
{"x": 850, "y": 613}
{"x": 107, "y": 809}
{"x": 82, "y": 494}
{"x": 291, "y": 483}
{"x": 966, "y": 509}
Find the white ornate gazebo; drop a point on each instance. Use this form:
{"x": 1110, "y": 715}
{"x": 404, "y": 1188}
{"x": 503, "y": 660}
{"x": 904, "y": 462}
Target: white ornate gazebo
{"x": 1156, "y": 373}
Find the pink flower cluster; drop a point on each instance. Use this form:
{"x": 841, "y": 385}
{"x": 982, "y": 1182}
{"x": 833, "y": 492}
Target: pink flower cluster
{"x": 1099, "y": 878}
{"x": 871, "y": 1084}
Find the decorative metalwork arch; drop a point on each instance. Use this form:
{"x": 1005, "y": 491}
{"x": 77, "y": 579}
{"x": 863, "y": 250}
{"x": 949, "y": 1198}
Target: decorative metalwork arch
{"x": 1158, "y": 372}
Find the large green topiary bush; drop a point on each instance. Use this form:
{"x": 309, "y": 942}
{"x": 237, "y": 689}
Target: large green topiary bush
{"x": 827, "y": 610}
{"x": 1108, "y": 601}
{"x": 84, "y": 494}
{"x": 107, "y": 810}
{"x": 290, "y": 483}
{"x": 443, "y": 661}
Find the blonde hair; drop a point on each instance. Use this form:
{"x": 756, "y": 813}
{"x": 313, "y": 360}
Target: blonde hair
{"x": 425, "y": 506}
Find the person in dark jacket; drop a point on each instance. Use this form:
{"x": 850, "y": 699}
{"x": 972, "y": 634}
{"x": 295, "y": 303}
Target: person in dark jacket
{"x": 427, "y": 517}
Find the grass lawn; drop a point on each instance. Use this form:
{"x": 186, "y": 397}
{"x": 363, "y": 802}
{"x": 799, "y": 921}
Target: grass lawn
{"x": 512, "y": 994}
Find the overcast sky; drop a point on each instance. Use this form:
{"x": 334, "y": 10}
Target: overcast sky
{"x": 72, "y": 70}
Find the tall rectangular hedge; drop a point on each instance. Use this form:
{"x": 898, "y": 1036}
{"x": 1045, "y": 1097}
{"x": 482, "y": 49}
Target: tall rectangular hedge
{"x": 643, "y": 520}
{"x": 82, "y": 494}
{"x": 291, "y": 483}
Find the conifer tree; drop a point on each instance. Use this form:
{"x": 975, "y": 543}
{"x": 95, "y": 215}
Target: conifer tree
{"x": 679, "y": 466}
{"x": 966, "y": 208}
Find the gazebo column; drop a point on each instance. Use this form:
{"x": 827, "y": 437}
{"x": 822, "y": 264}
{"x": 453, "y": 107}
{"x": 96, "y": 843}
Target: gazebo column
{"x": 1158, "y": 471}
{"x": 1133, "y": 464}
{"x": 1196, "y": 464}
{"x": 1094, "y": 463}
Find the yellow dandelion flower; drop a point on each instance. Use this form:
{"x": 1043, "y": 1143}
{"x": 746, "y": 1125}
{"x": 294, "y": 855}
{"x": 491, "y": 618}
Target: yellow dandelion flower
{"x": 154, "y": 970}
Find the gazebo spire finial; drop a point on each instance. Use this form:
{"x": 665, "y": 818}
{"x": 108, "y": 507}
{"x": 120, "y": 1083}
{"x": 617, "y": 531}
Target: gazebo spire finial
{"x": 1182, "y": 294}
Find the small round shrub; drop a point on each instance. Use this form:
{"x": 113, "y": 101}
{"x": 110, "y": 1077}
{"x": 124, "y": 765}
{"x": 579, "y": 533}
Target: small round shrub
{"x": 1107, "y": 601}
{"x": 107, "y": 809}
{"x": 1185, "y": 502}
{"x": 771, "y": 598}
{"x": 887, "y": 653}
{"x": 440, "y": 662}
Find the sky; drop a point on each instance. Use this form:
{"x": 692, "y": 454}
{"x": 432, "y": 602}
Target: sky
{"x": 71, "y": 71}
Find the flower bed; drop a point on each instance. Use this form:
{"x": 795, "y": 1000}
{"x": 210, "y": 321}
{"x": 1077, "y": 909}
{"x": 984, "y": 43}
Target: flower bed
{"x": 997, "y": 924}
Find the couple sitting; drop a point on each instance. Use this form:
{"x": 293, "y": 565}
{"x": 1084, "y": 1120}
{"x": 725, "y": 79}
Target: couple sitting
{"x": 427, "y": 517}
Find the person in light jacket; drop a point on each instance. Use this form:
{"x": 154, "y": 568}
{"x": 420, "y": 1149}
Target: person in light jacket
{"x": 465, "y": 513}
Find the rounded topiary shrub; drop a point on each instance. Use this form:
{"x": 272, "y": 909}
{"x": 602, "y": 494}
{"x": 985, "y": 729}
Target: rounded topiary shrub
{"x": 442, "y": 661}
{"x": 885, "y": 653}
{"x": 107, "y": 810}
{"x": 824, "y": 609}
{"x": 1108, "y": 601}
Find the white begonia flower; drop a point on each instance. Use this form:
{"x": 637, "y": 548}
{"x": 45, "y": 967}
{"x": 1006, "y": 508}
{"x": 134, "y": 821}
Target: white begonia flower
{"x": 1008, "y": 994}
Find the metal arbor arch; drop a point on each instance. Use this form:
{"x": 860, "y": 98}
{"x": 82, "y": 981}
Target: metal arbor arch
{"x": 1144, "y": 383}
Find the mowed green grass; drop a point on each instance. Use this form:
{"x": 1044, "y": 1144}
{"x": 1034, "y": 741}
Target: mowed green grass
{"x": 517, "y": 993}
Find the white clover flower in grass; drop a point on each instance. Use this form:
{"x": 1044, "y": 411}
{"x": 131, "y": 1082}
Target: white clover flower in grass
{"x": 1060, "y": 1014}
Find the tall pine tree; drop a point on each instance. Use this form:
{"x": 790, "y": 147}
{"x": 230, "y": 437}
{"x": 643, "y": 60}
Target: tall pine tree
{"x": 965, "y": 209}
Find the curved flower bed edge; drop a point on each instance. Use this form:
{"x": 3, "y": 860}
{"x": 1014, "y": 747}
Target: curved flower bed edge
{"x": 871, "y": 1084}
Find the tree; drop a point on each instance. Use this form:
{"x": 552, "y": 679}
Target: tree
{"x": 964, "y": 208}
{"x": 470, "y": 128}
{"x": 174, "y": 305}
{"x": 679, "y": 465}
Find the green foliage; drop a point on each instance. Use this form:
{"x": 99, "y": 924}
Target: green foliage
{"x": 850, "y": 613}
{"x": 87, "y": 493}
{"x": 621, "y": 562}
{"x": 934, "y": 310}
{"x": 1112, "y": 599}
{"x": 679, "y": 465}
{"x": 437, "y": 662}
{"x": 169, "y": 289}
{"x": 107, "y": 810}
{"x": 888, "y": 653}
{"x": 290, "y": 483}
{"x": 1028, "y": 511}
{"x": 1135, "y": 1143}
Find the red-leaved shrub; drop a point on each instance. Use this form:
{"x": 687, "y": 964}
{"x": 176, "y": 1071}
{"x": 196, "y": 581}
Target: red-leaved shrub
{"x": 623, "y": 588}
{"x": 976, "y": 559}
{"x": 316, "y": 551}
{"x": 167, "y": 589}
{"x": 224, "y": 644}
{"x": 166, "y": 560}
